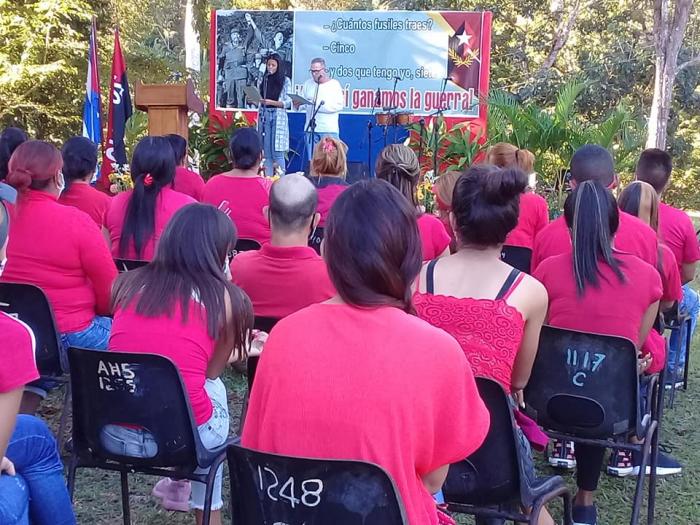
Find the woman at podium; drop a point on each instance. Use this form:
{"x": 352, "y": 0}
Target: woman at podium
{"x": 272, "y": 119}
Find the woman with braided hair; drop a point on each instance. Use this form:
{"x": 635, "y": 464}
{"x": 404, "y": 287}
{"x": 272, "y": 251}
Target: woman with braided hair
{"x": 398, "y": 165}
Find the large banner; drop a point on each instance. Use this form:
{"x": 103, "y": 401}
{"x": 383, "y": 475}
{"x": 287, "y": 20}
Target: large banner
{"x": 408, "y": 61}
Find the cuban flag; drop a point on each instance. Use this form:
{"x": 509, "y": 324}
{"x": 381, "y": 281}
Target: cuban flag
{"x": 92, "y": 111}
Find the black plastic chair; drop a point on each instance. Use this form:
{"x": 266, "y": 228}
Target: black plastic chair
{"x": 272, "y": 489}
{"x": 517, "y": 256}
{"x": 125, "y": 265}
{"x": 676, "y": 322}
{"x": 246, "y": 245}
{"x": 475, "y": 487}
{"x": 316, "y": 239}
{"x": 29, "y": 304}
{"x": 585, "y": 388}
{"x": 142, "y": 390}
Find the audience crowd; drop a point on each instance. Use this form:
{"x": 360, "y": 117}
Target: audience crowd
{"x": 378, "y": 339}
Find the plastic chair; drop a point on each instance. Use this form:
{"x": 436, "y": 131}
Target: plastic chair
{"x": 246, "y": 245}
{"x": 585, "y": 388}
{"x": 125, "y": 265}
{"x": 478, "y": 486}
{"x": 142, "y": 390}
{"x": 517, "y": 256}
{"x": 29, "y": 304}
{"x": 316, "y": 239}
{"x": 674, "y": 321}
{"x": 272, "y": 489}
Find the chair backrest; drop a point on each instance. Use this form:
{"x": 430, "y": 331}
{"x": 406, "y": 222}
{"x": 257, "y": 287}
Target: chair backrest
{"x": 316, "y": 239}
{"x": 29, "y": 304}
{"x": 517, "y": 256}
{"x": 584, "y": 384}
{"x": 265, "y": 324}
{"x": 246, "y": 245}
{"x": 475, "y": 481}
{"x": 134, "y": 390}
{"x": 272, "y": 489}
{"x": 124, "y": 265}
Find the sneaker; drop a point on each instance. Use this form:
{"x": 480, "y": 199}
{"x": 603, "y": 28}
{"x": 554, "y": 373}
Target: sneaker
{"x": 620, "y": 463}
{"x": 561, "y": 454}
{"x": 584, "y": 515}
{"x": 666, "y": 465}
{"x": 173, "y": 494}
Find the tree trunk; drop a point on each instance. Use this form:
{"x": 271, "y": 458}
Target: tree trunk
{"x": 668, "y": 37}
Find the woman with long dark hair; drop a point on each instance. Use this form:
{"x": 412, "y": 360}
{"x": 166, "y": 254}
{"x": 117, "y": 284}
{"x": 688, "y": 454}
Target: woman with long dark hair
{"x": 182, "y": 305}
{"x": 138, "y": 217}
{"x": 356, "y": 369}
{"x": 10, "y": 139}
{"x": 595, "y": 288}
{"x": 186, "y": 181}
{"x": 272, "y": 122}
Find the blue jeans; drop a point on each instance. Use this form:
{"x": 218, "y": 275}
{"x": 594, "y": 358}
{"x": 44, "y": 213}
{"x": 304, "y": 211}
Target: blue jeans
{"x": 314, "y": 138}
{"x": 38, "y": 491}
{"x": 272, "y": 156}
{"x": 689, "y": 305}
{"x": 94, "y": 337}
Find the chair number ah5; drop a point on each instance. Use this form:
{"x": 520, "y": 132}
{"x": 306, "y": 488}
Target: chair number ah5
{"x": 311, "y": 489}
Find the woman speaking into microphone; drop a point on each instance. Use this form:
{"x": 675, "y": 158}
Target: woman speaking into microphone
{"x": 272, "y": 119}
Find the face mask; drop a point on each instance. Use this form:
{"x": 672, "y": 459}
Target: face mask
{"x": 61, "y": 184}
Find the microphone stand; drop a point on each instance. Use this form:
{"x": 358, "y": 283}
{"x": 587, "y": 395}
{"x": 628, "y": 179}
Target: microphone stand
{"x": 393, "y": 109}
{"x": 421, "y": 123}
{"x": 436, "y": 126}
{"x": 262, "y": 108}
{"x": 377, "y": 101}
{"x": 311, "y": 126}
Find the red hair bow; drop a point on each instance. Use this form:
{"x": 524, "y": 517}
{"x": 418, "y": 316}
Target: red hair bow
{"x": 328, "y": 146}
{"x": 148, "y": 180}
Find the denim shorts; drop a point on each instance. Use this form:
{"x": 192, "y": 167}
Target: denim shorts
{"x": 212, "y": 433}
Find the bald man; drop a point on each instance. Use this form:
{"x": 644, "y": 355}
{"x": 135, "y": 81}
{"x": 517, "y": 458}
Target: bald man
{"x": 285, "y": 275}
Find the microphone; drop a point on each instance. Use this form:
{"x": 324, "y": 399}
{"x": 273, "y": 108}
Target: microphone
{"x": 321, "y": 103}
{"x": 378, "y": 97}
{"x": 398, "y": 79}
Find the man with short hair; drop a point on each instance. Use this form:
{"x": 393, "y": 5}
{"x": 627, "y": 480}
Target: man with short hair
{"x": 235, "y": 70}
{"x": 285, "y": 275}
{"x": 677, "y": 232}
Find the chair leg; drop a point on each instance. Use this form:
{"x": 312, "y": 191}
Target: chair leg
{"x": 64, "y": 419}
{"x": 651, "y": 504}
{"x": 638, "y": 492}
{"x": 126, "y": 511}
{"x": 72, "y": 468}
{"x": 686, "y": 367}
{"x": 566, "y": 500}
{"x": 208, "y": 492}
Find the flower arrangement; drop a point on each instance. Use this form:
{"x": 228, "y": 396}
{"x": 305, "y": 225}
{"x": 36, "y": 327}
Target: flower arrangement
{"x": 424, "y": 192}
{"x": 120, "y": 179}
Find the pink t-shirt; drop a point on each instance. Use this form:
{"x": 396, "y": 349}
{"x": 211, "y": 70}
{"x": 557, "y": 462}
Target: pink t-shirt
{"x": 61, "y": 250}
{"x": 613, "y": 308}
{"x": 188, "y": 182}
{"x": 187, "y": 345}
{"x": 433, "y": 236}
{"x": 533, "y": 217}
{"x": 328, "y": 191}
{"x": 670, "y": 277}
{"x": 167, "y": 203}
{"x": 88, "y": 199}
{"x": 17, "y": 361}
{"x": 677, "y": 232}
{"x": 244, "y": 199}
{"x": 281, "y": 280}
{"x": 335, "y": 382}
{"x": 633, "y": 236}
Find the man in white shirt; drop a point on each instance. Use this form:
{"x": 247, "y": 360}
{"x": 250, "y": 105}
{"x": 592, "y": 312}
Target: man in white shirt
{"x": 327, "y": 95}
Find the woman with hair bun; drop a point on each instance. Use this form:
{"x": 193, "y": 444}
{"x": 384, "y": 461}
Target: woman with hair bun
{"x": 10, "y": 139}
{"x": 493, "y": 310}
{"x": 398, "y": 165}
{"x": 534, "y": 212}
{"x": 59, "y": 249}
{"x": 329, "y": 167}
{"x": 137, "y": 218}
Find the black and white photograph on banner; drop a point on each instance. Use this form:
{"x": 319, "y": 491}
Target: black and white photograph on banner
{"x": 244, "y": 40}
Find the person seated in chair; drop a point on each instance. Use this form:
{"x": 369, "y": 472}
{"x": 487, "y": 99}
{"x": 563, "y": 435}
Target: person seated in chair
{"x": 31, "y": 473}
{"x": 61, "y": 250}
{"x": 182, "y": 306}
{"x": 359, "y": 376}
{"x": 329, "y": 166}
{"x": 285, "y": 275}
{"x": 186, "y": 181}
{"x": 596, "y": 288}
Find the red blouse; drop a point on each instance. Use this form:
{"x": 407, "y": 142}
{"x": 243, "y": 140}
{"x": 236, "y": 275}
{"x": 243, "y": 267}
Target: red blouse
{"x": 533, "y": 217}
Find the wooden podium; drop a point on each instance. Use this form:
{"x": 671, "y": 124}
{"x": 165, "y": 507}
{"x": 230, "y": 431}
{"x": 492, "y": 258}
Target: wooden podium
{"x": 167, "y": 106}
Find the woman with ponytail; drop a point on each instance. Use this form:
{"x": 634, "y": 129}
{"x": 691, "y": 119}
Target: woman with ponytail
{"x": 137, "y": 218}
{"x": 398, "y": 165}
{"x": 363, "y": 383}
{"x": 10, "y": 139}
{"x": 59, "y": 249}
{"x": 595, "y": 288}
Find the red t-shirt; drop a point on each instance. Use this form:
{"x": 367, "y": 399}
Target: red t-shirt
{"x": 167, "y": 203}
{"x": 670, "y": 276}
{"x": 534, "y": 216}
{"x": 188, "y": 182}
{"x": 61, "y": 250}
{"x": 613, "y": 308}
{"x": 433, "y": 236}
{"x": 187, "y": 345}
{"x": 327, "y": 194}
{"x": 88, "y": 199}
{"x": 656, "y": 346}
{"x": 17, "y": 361}
{"x": 677, "y": 232}
{"x": 281, "y": 280}
{"x": 245, "y": 198}
{"x": 370, "y": 384}
{"x": 633, "y": 236}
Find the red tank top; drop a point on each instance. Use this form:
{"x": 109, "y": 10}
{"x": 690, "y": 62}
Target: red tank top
{"x": 488, "y": 330}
